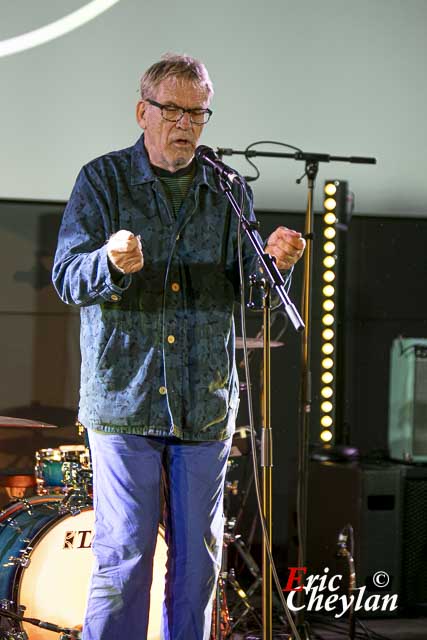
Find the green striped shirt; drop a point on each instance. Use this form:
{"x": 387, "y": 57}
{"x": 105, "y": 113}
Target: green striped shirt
{"x": 176, "y": 185}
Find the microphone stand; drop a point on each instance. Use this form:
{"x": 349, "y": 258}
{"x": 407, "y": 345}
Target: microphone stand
{"x": 272, "y": 279}
{"x": 305, "y": 395}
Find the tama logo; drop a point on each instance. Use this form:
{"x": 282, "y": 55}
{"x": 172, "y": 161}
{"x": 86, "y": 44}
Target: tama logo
{"x": 78, "y": 539}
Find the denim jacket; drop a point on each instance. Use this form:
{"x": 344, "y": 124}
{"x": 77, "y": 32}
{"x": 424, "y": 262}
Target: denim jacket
{"x": 157, "y": 346}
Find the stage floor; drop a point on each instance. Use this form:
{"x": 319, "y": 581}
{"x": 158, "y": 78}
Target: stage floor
{"x": 372, "y": 629}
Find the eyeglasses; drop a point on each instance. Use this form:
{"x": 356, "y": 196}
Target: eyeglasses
{"x": 174, "y": 114}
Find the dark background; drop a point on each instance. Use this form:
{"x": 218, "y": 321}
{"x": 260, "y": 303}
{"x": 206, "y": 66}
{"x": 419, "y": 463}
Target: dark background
{"x": 385, "y": 298}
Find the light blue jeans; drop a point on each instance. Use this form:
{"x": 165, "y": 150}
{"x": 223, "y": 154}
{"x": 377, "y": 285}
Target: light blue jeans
{"x": 127, "y": 478}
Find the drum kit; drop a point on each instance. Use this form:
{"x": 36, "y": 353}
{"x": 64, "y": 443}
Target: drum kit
{"x": 41, "y": 536}
{"x": 46, "y": 531}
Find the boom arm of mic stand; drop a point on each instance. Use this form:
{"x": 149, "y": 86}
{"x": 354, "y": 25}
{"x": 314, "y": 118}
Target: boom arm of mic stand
{"x": 298, "y": 155}
{"x": 268, "y": 263}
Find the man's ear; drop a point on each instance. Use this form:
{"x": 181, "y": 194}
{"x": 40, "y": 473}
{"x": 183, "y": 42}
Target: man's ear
{"x": 140, "y": 113}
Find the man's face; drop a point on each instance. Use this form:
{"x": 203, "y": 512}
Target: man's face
{"x": 171, "y": 145}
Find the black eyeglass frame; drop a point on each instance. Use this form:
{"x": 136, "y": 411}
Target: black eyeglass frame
{"x": 206, "y": 112}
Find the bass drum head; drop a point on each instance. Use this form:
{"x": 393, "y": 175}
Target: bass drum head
{"x": 54, "y": 586}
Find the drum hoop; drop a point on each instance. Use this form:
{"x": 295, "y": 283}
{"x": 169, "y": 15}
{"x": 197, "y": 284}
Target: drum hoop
{"x": 16, "y": 505}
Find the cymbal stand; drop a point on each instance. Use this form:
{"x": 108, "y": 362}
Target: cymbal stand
{"x": 230, "y": 538}
{"x": 223, "y": 620}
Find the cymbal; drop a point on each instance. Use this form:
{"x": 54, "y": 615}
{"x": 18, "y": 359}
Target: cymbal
{"x": 22, "y": 423}
{"x": 256, "y": 343}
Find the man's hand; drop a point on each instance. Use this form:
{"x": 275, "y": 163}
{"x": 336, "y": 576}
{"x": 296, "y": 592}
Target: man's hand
{"x": 286, "y": 245}
{"x": 124, "y": 251}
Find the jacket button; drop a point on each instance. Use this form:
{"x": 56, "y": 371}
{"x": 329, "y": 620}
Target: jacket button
{"x": 114, "y": 297}
{"x": 175, "y": 286}
{"x": 163, "y": 391}
{"x": 171, "y": 339}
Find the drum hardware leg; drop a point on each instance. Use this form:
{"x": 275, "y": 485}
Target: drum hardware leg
{"x": 220, "y": 616}
{"x": 244, "y": 595}
{"x": 220, "y": 628}
{"x": 248, "y": 559}
{"x": 9, "y": 621}
{"x": 243, "y": 600}
{"x": 222, "y": 624}
{"x": 6, "y": 612}
{"x": 236, "y": 540}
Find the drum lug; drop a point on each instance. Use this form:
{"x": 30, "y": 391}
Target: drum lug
{"x": 23, "y": 561}
{"x": 27, "y": 505}
{"x": 9, "y": 605}
{"x": 10, "y": 522}
{"x": 6, "y": 605}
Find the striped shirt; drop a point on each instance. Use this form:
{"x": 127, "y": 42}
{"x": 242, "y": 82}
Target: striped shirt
{"x": 176, "y": 185}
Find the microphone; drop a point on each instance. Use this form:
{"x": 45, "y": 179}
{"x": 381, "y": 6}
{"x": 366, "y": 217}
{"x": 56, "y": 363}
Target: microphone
{"x": 206, "y": 155}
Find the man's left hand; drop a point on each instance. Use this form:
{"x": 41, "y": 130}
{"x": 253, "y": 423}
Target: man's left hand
{"x": 286, "y": 245}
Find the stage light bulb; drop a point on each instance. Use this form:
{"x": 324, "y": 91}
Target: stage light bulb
{"x": 328, "y": 348}
{"x": 328, "y": 334}
{"x": 329, "y": 247}
{"x": 326, "y": 421}
{"x": 329, "y": 262}
{"x": 326, "y": 392}
{"x": 328, "y": 305}
{"x": 330, "y": 204}
{"x": 330, "y": 189}
{"x": 329, "y": 233}
{"x": 328, "y": 291}
{"x": 326, "y": 435}
{"x": 328, "y": 319}
{"x": 326, "y": 406}
{"x": 329, "y": 276}
{"x": 327, "y": 363}
{"x": 330, "y": 218}
{"x": 327, "y": 377}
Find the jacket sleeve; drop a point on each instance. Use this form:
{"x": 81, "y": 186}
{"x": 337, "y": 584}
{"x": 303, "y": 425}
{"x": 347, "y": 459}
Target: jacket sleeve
{"x": 81, "y": 273}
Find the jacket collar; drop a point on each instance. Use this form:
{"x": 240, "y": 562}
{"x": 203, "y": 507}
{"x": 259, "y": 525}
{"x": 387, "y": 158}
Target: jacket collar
{"x": 142, "y": 172}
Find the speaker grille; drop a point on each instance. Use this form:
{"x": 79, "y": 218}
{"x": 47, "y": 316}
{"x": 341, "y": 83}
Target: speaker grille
{"x": 414, "y": 546}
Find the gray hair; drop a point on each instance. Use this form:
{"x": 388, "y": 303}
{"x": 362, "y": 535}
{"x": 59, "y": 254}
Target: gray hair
{"x": 177, "y": 66}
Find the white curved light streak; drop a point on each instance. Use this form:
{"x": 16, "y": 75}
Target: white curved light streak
{"x": 55, "y": 29}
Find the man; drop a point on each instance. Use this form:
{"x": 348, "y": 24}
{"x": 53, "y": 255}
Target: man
{"x": 147, "y": 248}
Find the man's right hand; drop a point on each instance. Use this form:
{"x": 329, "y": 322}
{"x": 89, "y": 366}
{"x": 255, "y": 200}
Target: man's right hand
{"x": 124, "y": 251}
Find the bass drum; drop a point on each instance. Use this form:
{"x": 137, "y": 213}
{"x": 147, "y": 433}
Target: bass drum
{"x": 46, "y": 562}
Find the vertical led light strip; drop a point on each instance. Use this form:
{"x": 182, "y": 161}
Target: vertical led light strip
{"x": 329, "y": 313}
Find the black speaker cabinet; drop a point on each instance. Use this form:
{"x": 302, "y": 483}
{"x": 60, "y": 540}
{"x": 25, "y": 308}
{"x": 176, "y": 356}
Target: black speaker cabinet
{"x": 387, "y": 508}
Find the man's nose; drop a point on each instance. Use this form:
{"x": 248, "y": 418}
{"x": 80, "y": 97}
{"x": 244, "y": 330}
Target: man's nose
{"x": 184, "y": 122}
